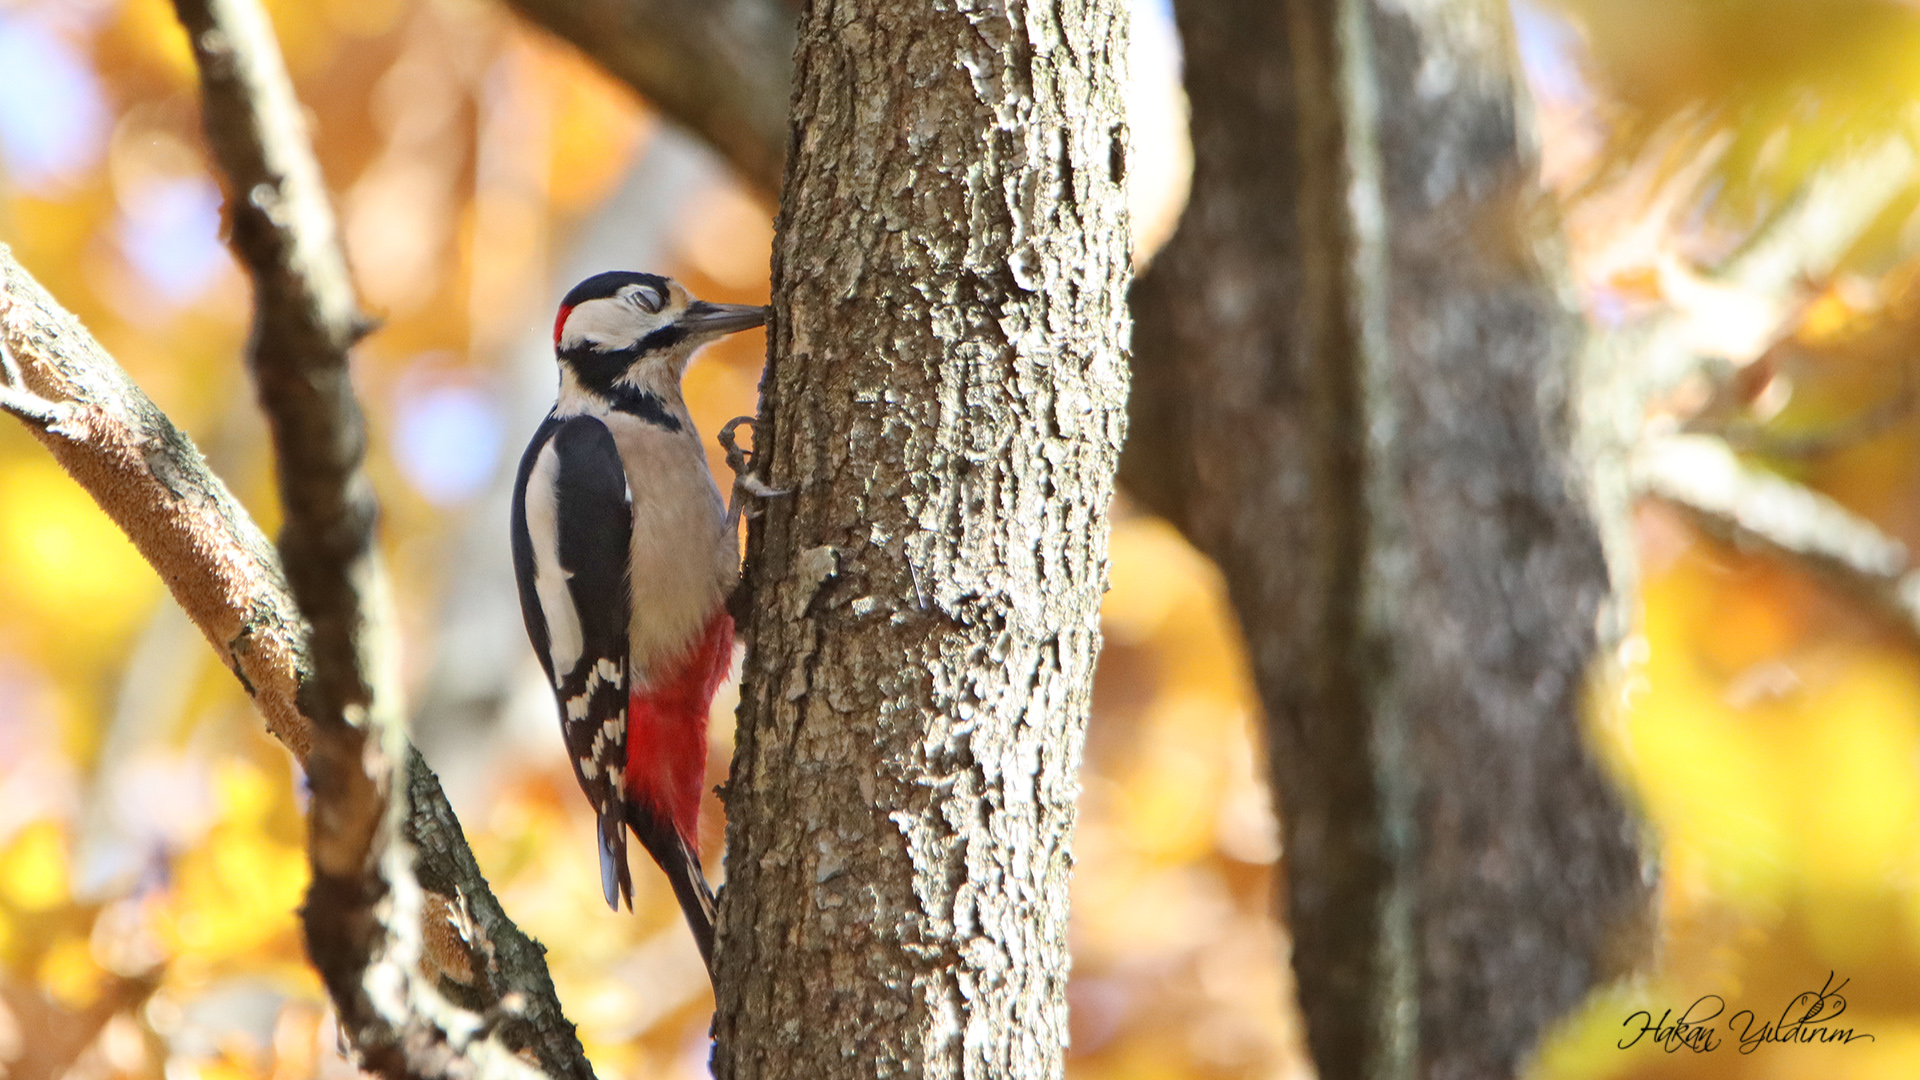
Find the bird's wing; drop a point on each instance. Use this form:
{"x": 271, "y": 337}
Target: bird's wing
{"x": 573, "y": 526}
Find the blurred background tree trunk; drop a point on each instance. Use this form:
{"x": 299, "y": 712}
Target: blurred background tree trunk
{"x": 1354, "y": 371}
{"x": 945, "y": 403}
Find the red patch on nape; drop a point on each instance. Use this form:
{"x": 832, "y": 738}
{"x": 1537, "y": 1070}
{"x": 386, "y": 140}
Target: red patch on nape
{"x": 560, "y": 323}
{"x": 667, "y": 730}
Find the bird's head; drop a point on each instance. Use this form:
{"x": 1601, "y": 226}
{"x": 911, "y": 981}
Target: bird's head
{"x": 641, "y": 326}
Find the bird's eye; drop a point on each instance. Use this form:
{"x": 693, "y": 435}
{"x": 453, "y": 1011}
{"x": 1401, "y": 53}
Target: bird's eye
{"x": 647, "y": 297}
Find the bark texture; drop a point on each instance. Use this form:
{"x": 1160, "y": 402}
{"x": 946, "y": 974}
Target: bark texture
{"x": 1354, "y": 371}
{"x": 944, "y": 403}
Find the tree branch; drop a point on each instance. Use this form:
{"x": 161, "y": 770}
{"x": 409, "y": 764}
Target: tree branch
{"x": 305, "y": 319}
{"x": 386, "y": 949}
{"x": 363, "y": 908}
{"x": 1624, "y": 373}
{"x": 722, "y": 68}
{"x": 1805, "y": 240}
{"x": 1737, "y": 503}
{"x": 155, "y": 485}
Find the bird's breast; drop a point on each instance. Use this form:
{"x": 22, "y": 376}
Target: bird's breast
{"x": 684, "y": 554}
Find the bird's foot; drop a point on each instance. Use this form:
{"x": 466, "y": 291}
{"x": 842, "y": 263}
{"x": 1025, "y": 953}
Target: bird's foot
{"x": 747, "y": 485}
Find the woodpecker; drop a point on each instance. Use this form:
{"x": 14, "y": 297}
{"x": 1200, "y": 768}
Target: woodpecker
{"x": 625, "y": 556}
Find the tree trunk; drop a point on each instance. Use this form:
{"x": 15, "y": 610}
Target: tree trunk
{"x": 944, "y": 401}
{"x": 1354, "y": 388}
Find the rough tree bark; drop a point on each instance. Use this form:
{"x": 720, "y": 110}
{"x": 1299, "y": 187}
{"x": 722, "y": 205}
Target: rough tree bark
{"x": 944, "y": 402}
{"x": 1355, "y": 365}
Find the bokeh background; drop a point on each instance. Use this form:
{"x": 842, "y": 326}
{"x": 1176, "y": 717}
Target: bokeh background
{"x": 151, "y": 834}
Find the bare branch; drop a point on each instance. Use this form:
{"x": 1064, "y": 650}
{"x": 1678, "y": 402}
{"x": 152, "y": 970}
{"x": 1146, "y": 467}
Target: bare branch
{"x": 305, "y": 318}
{"x": 723, "y": 68}
{"x": 1804, "y": 241}
{"x": 364, "y": 907}
{"x": 154, "y": 483}
{"x": 1623, "y": 373}
{"x": 1741, "y": 504}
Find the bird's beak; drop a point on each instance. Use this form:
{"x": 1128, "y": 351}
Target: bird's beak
{"x": 703, "y": 318}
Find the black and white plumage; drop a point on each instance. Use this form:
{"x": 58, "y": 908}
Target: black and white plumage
{"x": 625, "y": 556}
{"x": 573, "y": 491}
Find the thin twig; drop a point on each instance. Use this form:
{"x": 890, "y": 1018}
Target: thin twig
{"x": 365, "y": 908}
{"x": 1870, "y": 424}
{"x": 1739, "y": 503}
{"x": 1753, "y": 437}
{"x": 1803, "y": 242}
{"x": 1626, "y": 372}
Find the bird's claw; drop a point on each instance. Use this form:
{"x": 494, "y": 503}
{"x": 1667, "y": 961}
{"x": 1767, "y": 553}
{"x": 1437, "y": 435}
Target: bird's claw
{"x": 746, "y": 477}
{"x": 753, "y": 485}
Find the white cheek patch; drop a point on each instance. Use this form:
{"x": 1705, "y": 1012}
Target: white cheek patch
{"x": 549, "y": 580}
{"x": 607, "y": 324}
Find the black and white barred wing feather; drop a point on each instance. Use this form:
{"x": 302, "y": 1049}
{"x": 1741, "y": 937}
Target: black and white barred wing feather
{"x": 572, "y": 526}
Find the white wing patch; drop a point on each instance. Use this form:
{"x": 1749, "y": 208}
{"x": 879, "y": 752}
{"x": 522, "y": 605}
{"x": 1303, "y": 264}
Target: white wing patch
{"x": 549, "y": 580}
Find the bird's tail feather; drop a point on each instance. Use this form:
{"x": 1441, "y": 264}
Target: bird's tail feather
{"x": 681, "y": 862}
{"x": 615, "y": 880}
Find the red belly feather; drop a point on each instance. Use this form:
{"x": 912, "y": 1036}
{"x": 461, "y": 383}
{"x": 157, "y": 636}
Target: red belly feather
{"x": 667, "y": 731}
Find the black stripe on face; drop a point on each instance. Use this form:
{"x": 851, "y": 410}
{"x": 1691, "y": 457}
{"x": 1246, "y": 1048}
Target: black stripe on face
{"x": 600, "y": 373}
{"x": 595, "y": 369}
{"x": 645, "y": 404}
{"x": 598, "y": 370}
{"x": 661, "y": 340}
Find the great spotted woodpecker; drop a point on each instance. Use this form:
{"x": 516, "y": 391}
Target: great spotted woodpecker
{"x": 625, "y": 556}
